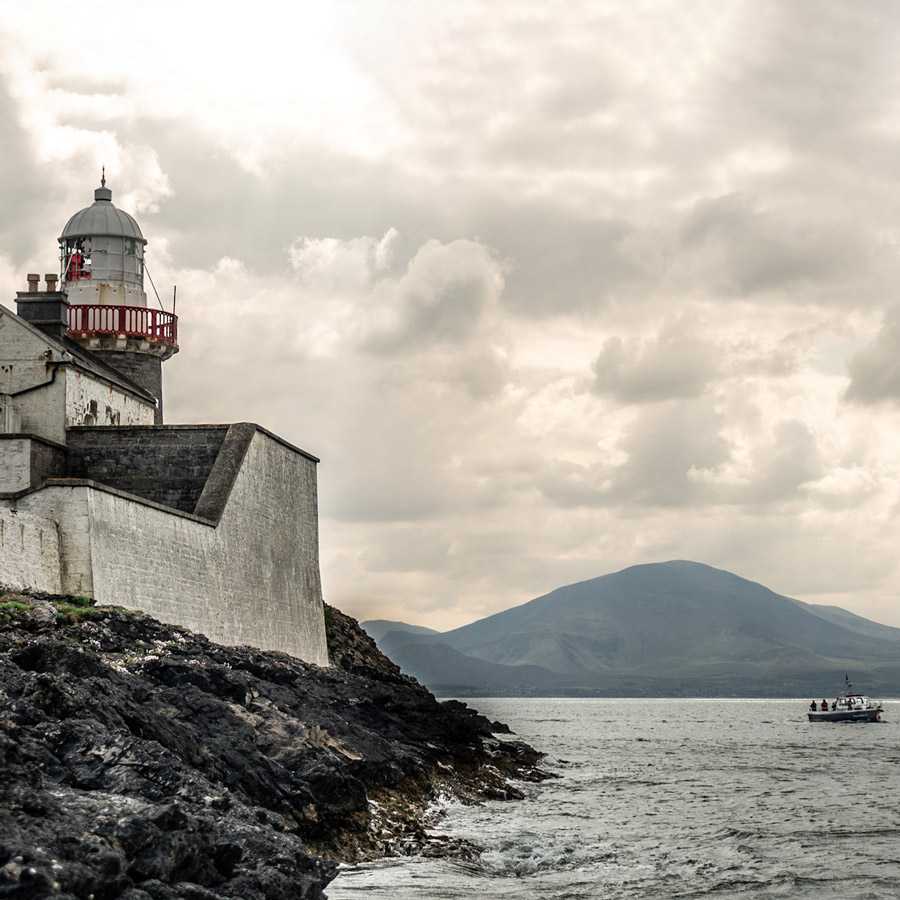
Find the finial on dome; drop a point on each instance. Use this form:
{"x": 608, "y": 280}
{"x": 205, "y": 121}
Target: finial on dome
{"x": 102, "y": 192}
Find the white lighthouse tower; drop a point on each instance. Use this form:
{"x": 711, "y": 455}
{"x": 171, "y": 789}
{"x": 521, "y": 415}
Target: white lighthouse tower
{"x": 102, "y": 276}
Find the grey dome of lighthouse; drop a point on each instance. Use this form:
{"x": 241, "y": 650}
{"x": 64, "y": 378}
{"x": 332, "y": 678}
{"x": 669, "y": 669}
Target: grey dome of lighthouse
{"x": 102, "y": 245}
{"x": 102, "y": 219}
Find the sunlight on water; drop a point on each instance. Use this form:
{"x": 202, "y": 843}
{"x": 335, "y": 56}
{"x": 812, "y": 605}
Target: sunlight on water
{"x": 674, "y": 799}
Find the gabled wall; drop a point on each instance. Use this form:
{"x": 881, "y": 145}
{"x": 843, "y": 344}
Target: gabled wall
{"x": 49, "y": 393}
{"x": 24, "y": 355}
{"x": 29, "y": 375}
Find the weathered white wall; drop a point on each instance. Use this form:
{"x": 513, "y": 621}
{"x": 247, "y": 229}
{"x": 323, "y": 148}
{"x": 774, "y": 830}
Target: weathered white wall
{"x": 92, "y": 402}
{"x": 270, "y": 534}
{"x": 253, "y": 579}
{"x": 68, "y": 508}
{"x": 43, "y": 411}
{"x": 23, "y": 355}
{"x": 29, "y": 551}
{"x": 15, "y": 465}
{"x": 26, "y": 361}
{"x": 10, "y": 421}
{"x": 75, "y": 398}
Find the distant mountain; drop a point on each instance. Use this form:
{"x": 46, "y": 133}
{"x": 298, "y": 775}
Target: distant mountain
{"x": 676, "y": 628}
{"x": 378, "y": 628}
{"x": 450, "y": 673}
{"x": 856, "y": 623}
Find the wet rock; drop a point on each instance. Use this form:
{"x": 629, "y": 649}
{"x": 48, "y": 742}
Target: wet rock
{"x": 142, "y": 762}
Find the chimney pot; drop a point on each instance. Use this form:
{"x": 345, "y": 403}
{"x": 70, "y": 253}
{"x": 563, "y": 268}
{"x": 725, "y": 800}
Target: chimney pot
{"x": 51, "y": 282}
{"x": 33, "y": 281}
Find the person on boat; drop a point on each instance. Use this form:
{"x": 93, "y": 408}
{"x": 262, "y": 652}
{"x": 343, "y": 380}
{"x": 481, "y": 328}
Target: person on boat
{"x": 824, "y": 706}
{"x": 834, "y": 704}
{"x": 812, "y": 706}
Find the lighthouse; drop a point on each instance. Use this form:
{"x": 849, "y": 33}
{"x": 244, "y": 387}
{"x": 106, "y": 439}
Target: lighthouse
{"x": 102, "y": 268}
{"x": 213, "y": 527}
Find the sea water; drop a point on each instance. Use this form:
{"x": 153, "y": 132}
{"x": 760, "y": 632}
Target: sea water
{"x": 674, "y": 798}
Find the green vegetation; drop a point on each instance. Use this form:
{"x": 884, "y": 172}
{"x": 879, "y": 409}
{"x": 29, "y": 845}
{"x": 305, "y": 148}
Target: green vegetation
{"x": 72, "y": 613}
{"x": 70, "y": 610}
{"x": 11, "y": 607}
{"x": 14, "y": 604}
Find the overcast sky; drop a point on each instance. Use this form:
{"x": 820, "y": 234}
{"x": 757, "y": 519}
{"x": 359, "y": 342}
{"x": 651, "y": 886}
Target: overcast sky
{"x": 551, "y": 288}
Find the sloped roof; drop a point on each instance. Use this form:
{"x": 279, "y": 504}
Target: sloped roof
{"x": 92, "y": 364}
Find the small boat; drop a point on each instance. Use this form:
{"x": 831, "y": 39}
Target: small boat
{"x": 846, "y": 707}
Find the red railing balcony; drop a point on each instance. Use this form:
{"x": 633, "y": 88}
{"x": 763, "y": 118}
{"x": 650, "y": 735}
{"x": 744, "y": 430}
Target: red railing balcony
{"x": 154, "y": 325}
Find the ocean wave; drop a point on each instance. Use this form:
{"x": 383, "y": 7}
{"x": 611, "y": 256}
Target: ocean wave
{"x": 525, "y": 856}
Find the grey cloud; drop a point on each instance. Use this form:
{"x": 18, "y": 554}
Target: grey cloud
{"x": 481, "y": 371}
{"x": 27, "y": 190}
{"x": 791, "y": 461}
{"x": 560, "y": 261}
{"x": 676, "y": 363}
{"x": 767, "y": 549}
{"x": 810, "y": 71}
{"x": 665, "y": 448}
{"x": 740, "y": 247}
{"x": 677, "y": 456}
{"x": 441, "y": 298}
{"x": 92, "y": 86}
{"x": 875, "y": 370}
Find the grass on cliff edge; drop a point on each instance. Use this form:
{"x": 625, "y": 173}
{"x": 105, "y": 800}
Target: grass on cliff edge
{"x": 69, "y": 610}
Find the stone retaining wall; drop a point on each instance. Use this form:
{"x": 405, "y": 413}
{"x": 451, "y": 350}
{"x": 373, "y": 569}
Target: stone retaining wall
{"x": 167, "y": 464}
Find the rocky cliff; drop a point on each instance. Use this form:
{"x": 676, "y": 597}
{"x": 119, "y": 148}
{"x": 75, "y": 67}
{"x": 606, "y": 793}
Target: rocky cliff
{"x": 143, "y": 762}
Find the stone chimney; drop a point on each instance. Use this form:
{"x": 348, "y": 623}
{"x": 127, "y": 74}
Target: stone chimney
{"x": 47, "y": 310}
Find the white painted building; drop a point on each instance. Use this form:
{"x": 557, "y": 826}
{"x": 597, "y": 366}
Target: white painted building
{"x": 213, "y": 527}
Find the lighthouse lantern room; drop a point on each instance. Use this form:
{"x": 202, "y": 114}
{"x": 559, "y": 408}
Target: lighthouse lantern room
{"x": 102, "y": 255}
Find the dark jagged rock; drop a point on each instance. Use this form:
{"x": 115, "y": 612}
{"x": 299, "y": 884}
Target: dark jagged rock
{"x": 143, "y": 762}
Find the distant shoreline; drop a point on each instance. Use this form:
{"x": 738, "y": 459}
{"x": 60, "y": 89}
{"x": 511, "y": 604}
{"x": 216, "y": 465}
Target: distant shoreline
{"x": 645, "y": 699}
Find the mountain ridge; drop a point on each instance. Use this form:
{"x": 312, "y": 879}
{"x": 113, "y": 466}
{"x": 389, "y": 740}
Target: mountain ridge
{"x": 378, "y": 628}
{"x": 672, "y": 627}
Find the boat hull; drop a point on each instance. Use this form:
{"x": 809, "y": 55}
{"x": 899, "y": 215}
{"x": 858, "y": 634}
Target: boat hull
{"x": 846, "y": 715}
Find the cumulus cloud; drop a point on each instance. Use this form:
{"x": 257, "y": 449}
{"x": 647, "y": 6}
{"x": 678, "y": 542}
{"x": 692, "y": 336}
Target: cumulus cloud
{"x": 665, "y": 455}
{"x": 785, "y": 466}
{"x": 740, "y": 246}
{"x": 442, "y": 297}
{"x": 875, "y": 369}
{"x": 676, "y": 363}
{"x": 332, "y": 264}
